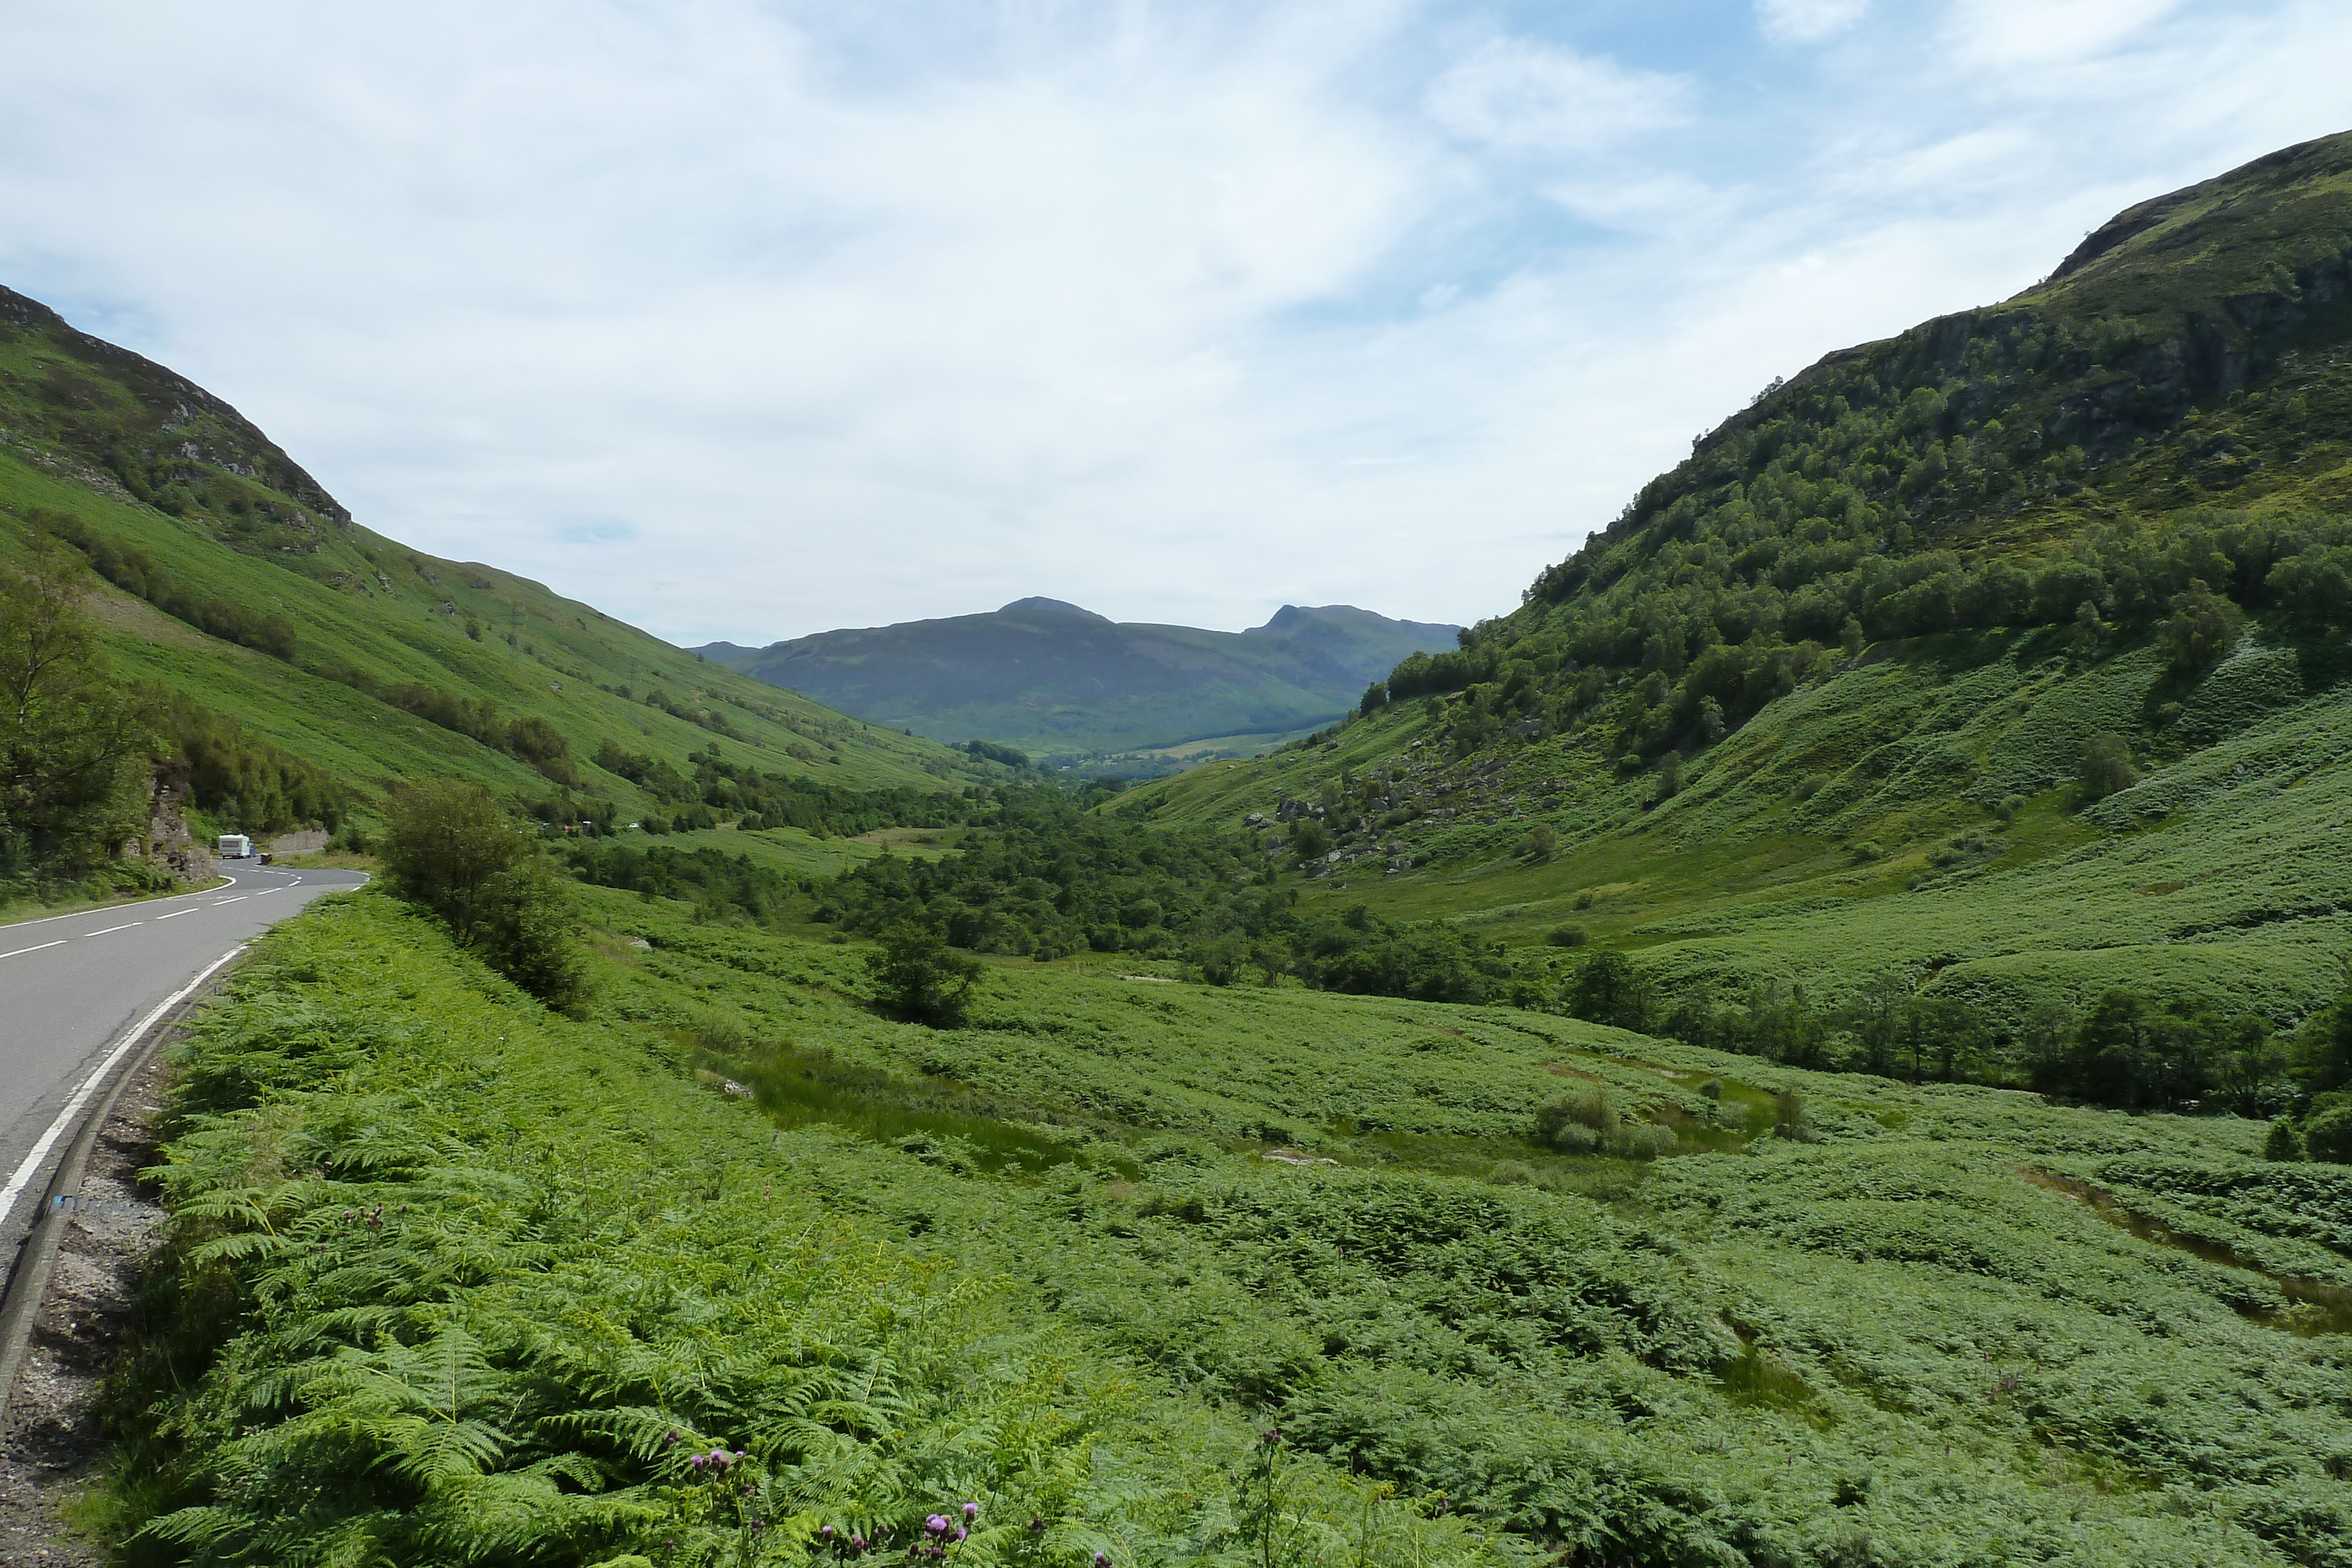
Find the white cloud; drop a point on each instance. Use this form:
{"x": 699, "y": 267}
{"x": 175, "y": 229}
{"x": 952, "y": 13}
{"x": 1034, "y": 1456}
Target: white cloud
{"x": 2044, "y": 31}
{"x": 1521, "y": 95}
{"x": 742, "y": 320}
{"x": 1808, "y": 21}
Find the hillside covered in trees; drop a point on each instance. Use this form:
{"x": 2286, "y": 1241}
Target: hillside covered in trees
{"x": 1990, "y": 669}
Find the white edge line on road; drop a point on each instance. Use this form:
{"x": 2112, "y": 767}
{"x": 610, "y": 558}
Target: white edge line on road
{"x": 113, "y": 929}
{"x": 26, "y": 1172}
{"x": 43, "y": 948}
{"x": 227, "y": 881}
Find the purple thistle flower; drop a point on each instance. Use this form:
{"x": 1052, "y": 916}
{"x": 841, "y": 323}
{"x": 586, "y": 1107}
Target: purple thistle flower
{"x": 826, "y": 1532}
{"x": 696, "y": 1460}
{"x": 959, "y": 1532}
{"x": 1102, "y": 1560}
{"x": 936, "y": 1524}
{"x": 972, "y": 1511}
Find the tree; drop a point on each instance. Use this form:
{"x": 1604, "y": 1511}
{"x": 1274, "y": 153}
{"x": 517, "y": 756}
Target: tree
{"x": 450, "y": 847}
{"x": 921, "y": 979}
{"x": 445, "y": 843}
{"x": 1669, "y": 776}
{"x": 1607, "y": 991}
{"x": 1310, "y": 840}
{"x": 2327, "y": 1135}
{"x": 1537, "y": 843}
{"x": 2129, "y": 1054}
{"x": 2106, "y": 766}
{"x": 72, "y": 744}
{"x": 2201, "y": 628}
{"x": 2323, "y": 1048}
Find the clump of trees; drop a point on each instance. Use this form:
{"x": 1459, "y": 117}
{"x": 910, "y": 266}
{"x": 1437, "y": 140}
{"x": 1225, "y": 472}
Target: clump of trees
{"x": 73, "y": 742}
{"x": 448, "y": 847}
{"x": 717, "y": 884}
{"x": 2129, "y": 1051}
{"x": 233, "y": 775}
{"x": 1011, "y": 757}
{"x": 717, "y": 786}
{"x": 2322, "y": 1060}
{"x": 919, "y": 979}
{"x": 1049, "y": 878}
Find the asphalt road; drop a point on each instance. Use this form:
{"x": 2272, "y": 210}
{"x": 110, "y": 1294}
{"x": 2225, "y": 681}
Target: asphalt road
{"x": 71, "y": 988}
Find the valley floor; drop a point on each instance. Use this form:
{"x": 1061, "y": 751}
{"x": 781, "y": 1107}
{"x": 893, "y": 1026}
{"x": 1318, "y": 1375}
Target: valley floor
{"x": 460, "y": 1280}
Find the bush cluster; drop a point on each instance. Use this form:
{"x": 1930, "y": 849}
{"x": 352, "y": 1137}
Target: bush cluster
{"x": 448, "y": 847}
{"x": 719, "y": 788}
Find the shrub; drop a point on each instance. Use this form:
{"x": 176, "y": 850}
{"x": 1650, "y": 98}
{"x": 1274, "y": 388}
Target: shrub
{"x": 2106, "y": 767}
{"x": 921, "y": 979}
{"x": 1792, "y": 1119}
{"x": 1642, "y": 1141}
{"x": 1607, "y": 991}
{"x": 1537, "y": 843}
{"x": 447, "y": 847}
{"x": 1579, "y": 1122}
{"x": 2284, "y": 1141}
{"x": 2201, "y": 629}
{"x": 1669, "y": 776}
{"x": 1568, "y": 936}
{"x": 2327, "y": 1135}
{"x": 1310, "y": 840}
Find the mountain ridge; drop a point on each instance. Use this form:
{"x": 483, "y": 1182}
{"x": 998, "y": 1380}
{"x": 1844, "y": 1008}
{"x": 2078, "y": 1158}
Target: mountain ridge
{"x": 1054, "y": 677}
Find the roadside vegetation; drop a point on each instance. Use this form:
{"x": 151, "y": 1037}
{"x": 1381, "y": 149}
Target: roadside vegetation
{"x": 455, "y": 1277}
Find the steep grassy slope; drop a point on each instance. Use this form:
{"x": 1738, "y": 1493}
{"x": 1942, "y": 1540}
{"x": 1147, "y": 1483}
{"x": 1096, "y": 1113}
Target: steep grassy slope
{"x": 1813, "y": 710}
{"x": 252, "y": 590}
{"x": 1057, "y": 680}
{"x": 465, "y": 1265}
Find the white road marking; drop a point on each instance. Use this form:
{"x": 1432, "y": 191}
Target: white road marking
{"x": 265, "y": 892}
{"x": 113, "y": 929}
{"x": 59, "y": 943}
{"x": 177, "y": 913}
{"x": 26, "y": 1172}
{"x": 227, "y": 880}
{"x": 217, "y": 903}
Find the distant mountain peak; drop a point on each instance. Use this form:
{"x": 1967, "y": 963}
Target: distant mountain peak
{"x": 1039, "y": 605}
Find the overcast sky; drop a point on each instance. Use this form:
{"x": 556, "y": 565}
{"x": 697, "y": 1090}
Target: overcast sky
{"x": 746, "y": 321}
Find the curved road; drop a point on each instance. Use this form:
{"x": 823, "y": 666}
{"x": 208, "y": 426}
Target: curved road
{"x": 73, "y": 987}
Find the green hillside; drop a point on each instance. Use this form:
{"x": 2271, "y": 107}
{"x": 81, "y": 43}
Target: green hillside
{"x": 2001, "y": 661}
{"x": 235, "y": 580}
{"x": 1068, "y": 684}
